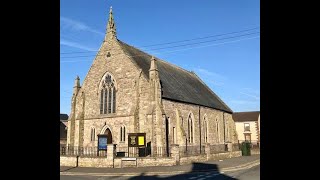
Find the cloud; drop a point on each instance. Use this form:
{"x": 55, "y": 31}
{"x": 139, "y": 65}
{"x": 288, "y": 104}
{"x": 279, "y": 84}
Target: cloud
{"x": 77, "y": 26}
{"x": 76, "y": 45}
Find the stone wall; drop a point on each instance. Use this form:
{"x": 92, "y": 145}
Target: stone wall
{"x": 86, "y": 161}
{"x": 87, "y": 107}
{"x": 68, "y": 161}
{"x": 214, "y": 119}
{"x": 141, "y": 162}
{"x": 122, "y": 70}
{"x": 95, "y": 162}
{"x": 226, "y": 155}
{"x": 113, "y": 123}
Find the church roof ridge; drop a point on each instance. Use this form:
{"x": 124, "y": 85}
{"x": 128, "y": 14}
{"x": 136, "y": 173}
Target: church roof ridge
{"x": 176, "y": 66}
{"x": 178, "y": 84}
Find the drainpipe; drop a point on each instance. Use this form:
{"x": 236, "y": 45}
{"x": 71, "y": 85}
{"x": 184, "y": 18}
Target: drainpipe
{"x": 200, "y": 129}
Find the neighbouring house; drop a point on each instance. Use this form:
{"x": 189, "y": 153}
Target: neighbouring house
{"x": 63, "y": 128}
{"x": 248, "y": 126}
{"x": 129, "y": 91}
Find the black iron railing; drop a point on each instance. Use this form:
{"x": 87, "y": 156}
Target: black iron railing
{"x": 142, "y": 152}
{"x": 80, "y": 151}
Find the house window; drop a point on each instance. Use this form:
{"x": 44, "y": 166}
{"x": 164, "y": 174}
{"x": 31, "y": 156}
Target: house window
{"x": 122, "y": 133}
{"x": 93, "y": 134}
{"x": 246, "y": 127}
{"x": 108, "y": 95}
{"x": 190, "y": 129}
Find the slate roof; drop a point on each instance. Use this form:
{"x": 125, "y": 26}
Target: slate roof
{"x": 65, "y": 123}
{"x": 177, "y": 84}
{"x": 64, "y": 117}
{"x": 246, "y": 116}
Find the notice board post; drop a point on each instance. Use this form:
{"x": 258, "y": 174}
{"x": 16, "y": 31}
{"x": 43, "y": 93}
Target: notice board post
{"x": 102, "y": 143}
{"x": 138, "y": 140}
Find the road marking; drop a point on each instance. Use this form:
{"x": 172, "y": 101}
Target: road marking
{"x": 236, "y": 168}
{"x": 241, "y": 168}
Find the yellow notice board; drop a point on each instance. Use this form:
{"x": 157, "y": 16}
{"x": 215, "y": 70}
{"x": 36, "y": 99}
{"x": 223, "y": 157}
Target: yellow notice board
{"x": 141, "y": 140}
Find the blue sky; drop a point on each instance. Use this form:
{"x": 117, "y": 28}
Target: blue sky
{"x": 229, "y": 64}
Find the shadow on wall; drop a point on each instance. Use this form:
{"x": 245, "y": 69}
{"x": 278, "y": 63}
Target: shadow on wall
{"x": 208, "y": 171}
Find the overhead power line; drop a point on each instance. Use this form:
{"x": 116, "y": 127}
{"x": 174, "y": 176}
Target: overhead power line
{"x": 205, "y": 41}
{"x": 165, "y": 52}
{"x": 173, "y": 42}
{"x": 177, "y": 45}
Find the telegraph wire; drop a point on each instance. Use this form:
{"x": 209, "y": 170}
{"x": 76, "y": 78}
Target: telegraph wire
{"x": 175, "y": 46}
{"x": 173, "y": 42}
{"x": 165, "y": 52}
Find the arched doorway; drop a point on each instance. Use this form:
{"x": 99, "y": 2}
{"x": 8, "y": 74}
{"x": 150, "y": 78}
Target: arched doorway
{"x": 109, "y": 136}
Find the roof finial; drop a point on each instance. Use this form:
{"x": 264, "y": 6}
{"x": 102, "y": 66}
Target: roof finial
{"x": 153, "y": 65}
{"x": 111, "y": 27}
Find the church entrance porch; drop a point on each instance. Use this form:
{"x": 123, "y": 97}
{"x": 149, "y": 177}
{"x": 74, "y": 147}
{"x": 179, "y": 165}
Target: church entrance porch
{"x": 108, "y": 133}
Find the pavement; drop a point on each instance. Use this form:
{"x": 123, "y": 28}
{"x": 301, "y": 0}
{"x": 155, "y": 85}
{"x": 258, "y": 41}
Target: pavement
{"x": 226, "y": 165}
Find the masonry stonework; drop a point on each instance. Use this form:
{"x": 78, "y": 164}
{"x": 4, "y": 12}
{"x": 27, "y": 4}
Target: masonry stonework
{"x": 142, "y": 104}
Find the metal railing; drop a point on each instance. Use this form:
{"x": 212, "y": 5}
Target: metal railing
{"x": 142, "y": 152}
{"x": 81, "y": 151}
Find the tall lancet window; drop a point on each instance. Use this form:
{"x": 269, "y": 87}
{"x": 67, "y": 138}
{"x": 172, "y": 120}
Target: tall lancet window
{"x": 108, "y": 95}
{"x": 205, "y": 129}
{"x": 190, "y": 129}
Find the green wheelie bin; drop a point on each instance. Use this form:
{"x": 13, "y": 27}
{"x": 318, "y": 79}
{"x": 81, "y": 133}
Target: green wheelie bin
{"x": 246, "y": 148}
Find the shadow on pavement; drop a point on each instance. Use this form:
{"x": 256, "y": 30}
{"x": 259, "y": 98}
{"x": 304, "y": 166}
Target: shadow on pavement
{"x": 67, "y": 169}
{"x": 199, "y": 170}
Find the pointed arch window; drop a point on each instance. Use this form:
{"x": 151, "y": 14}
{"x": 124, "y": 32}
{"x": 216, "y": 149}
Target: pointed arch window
{"x": 217, "y": 130}
{"x": 205, "y": 128}
{"x": 122, "y": 133}
{"x": 93, "y": 134}
{"x": 190, "y": 129}
{"x": 227, "y": 131}
{"x": 108, "y": 95}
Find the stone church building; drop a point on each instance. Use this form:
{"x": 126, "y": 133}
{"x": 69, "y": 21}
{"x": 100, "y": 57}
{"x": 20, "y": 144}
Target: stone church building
{"x": 129, "y": 91}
